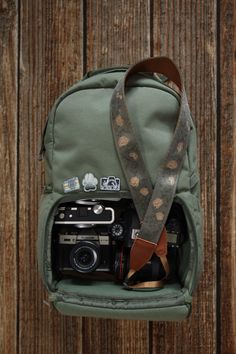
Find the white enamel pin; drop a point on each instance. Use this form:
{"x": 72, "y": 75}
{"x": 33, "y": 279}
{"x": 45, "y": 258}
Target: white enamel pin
{"x": 110, "y": 183}
{"x": 89, "y": 182}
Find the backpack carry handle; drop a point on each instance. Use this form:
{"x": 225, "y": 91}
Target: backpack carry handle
{"x": 152, "y": 204}
{"x": 158, "y": 65}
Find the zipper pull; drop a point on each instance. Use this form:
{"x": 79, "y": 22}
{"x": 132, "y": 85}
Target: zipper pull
{"x": 47, "y": 188}
{"x": 52, "y": 297}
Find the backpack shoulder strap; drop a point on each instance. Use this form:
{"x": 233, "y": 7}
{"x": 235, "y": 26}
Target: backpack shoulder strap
{"x": 152, "y": 203}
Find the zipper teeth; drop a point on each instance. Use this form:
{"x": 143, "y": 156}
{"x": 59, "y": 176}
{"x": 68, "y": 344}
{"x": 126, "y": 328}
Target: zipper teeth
{"x": 78, "y": 88}
{"x": 166, "y": 89}
{"x": 72, "y": 90}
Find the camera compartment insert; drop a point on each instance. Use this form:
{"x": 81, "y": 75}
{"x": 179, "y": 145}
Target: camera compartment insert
{"x": 80, "y": 296}
{"x": 91, "y": 243}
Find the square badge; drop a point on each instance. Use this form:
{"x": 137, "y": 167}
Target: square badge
{"x": 71, "y": 184}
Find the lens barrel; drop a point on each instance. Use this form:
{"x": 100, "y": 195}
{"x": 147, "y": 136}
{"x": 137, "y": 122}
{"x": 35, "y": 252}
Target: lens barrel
{"x": 153, "y": 270}
{"x": 85, "y": 257}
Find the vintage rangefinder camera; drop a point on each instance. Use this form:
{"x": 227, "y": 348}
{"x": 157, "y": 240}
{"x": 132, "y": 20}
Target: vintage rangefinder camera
{"x": 93, "y": 236}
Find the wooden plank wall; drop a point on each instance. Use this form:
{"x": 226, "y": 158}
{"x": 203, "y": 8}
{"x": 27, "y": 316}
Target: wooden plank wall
{"x": 8, "y": 177}
{"x": 47, "y": 45}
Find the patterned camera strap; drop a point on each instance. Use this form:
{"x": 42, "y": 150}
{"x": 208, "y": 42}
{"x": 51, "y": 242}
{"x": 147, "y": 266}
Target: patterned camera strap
{"x": 152, "y": 203}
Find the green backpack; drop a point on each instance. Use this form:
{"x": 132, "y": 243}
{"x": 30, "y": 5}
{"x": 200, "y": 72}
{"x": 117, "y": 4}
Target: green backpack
{"x": 120, "y": 219}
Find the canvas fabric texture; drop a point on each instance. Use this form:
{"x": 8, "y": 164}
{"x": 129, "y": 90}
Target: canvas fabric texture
{"x": 78, "y": 142}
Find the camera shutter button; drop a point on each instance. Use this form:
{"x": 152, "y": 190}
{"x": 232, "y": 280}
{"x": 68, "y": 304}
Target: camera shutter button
{"x": 98, "y": 209}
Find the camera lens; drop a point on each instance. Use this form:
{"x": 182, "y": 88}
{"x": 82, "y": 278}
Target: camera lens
{"x": 85, "y": 257}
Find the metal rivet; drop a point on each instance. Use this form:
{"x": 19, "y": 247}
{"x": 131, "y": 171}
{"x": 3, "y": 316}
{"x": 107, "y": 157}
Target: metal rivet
{"x": 133, "y": 155}
{"x": 157, "y": 203}
{"x": 119, "y": 120}
{"x": 134, "y": 181}
{"x": 144, "y": 191}
{"x": 123, "y": 141}
{"x": 172, "y": 164}
{"x": 159, "y": 216}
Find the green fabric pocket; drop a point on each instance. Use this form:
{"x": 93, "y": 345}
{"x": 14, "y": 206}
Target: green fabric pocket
{"x": 174, "y": 313}
{"x": 192, "y": 268}
{"x": 109, "y": 299}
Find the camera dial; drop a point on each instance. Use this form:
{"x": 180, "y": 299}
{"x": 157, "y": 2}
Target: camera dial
{"x": 98, "y": 209}
{"x": 117, "y": 231}
{"x": 85, "y": 257}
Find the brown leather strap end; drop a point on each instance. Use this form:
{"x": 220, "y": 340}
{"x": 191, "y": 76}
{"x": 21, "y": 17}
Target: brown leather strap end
{"x": 152, "y": 285}
{"x": 165, "y": 264}
{"x": 140, "y": 253}
{"x": 161, "y": 247}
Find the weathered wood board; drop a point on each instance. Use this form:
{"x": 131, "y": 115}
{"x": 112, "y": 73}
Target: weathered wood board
{"x": 227, "y": 178}
{"x": 51, "y": 59}
{"x": 178, "y": 31}
{"x": 8, "y": 177}
{"x": 46, "y": 46}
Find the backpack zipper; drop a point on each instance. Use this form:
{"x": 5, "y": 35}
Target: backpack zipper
{"x": 47, "y": 188}
{"x": 160, "y": 78}
{"x": 42, "y": 146}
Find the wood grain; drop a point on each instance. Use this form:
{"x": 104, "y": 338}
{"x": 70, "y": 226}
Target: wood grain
{"x": 45, "y": 46}
{"x": 115, "y": 336}
{"x": 8, "y": 177}
{"x": 186, "y": 31}
{"x": 51, "y": 60}
{"x": 117, "y": 34}
{"x": 227, "y": 149}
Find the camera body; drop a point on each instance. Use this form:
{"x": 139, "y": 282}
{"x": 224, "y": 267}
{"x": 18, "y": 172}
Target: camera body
{"x": 97, "y": 236}
{"x": 82, "y": 213}
{"x": 84, "y": 253}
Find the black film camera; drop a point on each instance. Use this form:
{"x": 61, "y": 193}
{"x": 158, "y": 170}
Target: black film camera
{"x": 92, "y": 237}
